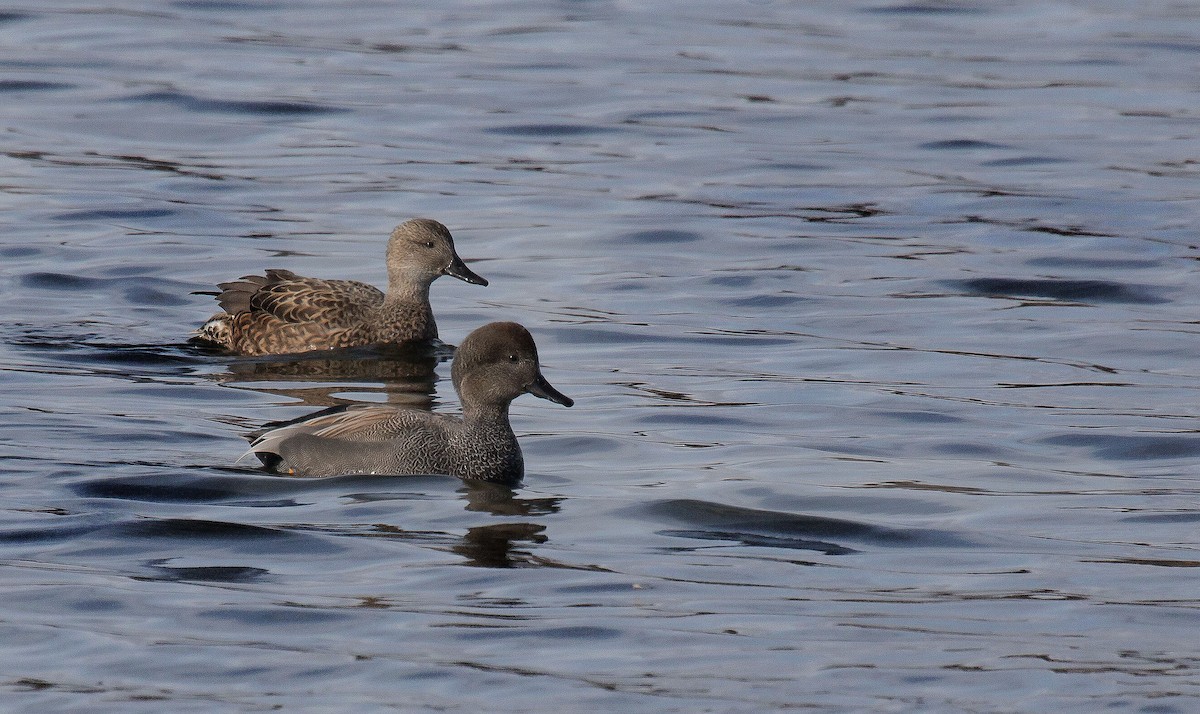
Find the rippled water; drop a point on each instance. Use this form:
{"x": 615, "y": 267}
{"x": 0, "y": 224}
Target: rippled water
{"x": 880, "y": 317}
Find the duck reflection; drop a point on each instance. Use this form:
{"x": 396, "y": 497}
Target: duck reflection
{"x": 490, "y": 546}
{"x": 480, "y": 496}
{"x": 500, "y": 500}
{"x": 494, "y": 546}
{"x": 404, "y": 375}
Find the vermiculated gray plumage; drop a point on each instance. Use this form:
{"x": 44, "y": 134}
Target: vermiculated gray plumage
{"x": 495, "y": 364}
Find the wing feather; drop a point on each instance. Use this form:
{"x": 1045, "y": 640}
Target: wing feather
{"x": 357, "y": 423}
{"x": 333, "y": 303}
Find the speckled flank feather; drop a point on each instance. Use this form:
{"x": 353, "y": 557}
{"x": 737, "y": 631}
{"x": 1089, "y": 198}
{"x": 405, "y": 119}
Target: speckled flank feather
{"x": 494, "y": 365}
{"x": 281, "y": 312}
{"x": 413, "y": 441}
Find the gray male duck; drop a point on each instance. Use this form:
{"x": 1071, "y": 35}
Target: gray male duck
{"x": 282, "y": 313}
{"x": 493, "y": 366}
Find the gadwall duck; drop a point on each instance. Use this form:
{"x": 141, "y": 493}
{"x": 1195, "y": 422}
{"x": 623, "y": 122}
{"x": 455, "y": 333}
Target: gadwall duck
{"x": 282, "y": 313}
{"x": 493, "y": 366}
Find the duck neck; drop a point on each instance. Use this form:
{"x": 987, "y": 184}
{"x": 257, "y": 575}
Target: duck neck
{"x": 490, "y": 446}
{"x": 486, "y": 416}
{"x": 405, "y": 313}
{"x": 407, "y": 288}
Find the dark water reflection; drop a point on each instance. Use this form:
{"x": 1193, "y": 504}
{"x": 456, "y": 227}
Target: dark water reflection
{"x": 402, "y": 376}
{"x": 880, "y": 319}
{"x": 775, "y": 529}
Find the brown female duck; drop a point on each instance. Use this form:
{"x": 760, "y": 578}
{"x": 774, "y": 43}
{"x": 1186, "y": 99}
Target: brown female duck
{"x": 281, "y": 312}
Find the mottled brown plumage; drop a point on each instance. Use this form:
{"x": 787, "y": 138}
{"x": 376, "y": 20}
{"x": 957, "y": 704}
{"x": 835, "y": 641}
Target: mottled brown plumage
{"x": 494, "y": 365}
{"x": 281, "y": 312}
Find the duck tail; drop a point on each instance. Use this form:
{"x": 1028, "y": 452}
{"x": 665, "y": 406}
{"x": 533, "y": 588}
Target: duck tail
{"x": 218, "y": 330}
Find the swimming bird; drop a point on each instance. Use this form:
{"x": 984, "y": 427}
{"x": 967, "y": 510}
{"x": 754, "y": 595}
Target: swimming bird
{"x": 493, "y": 366}
{"x": 281, "y": 312}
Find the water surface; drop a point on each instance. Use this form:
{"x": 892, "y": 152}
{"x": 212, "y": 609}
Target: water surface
{"x": 880, "y": 319}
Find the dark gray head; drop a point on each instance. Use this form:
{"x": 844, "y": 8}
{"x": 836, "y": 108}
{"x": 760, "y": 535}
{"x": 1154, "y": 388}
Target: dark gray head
{"x": 421, "y": 250}
{"x": 499, "y": 362}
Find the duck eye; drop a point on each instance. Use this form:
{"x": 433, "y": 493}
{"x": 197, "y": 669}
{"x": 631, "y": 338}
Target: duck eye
{"x": 513, "y": 358}
{"x": 428, "y": 244}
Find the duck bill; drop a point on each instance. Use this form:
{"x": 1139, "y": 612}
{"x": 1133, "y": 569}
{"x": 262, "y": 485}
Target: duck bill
{"x": 459, "y": 269}
{"x": 545, "y": 390}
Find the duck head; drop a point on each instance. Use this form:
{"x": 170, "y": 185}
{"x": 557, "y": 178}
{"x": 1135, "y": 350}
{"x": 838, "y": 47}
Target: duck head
{"x": 497, "y": 363}
{"x": 421, "y": 250}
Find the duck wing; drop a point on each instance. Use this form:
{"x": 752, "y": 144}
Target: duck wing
{"x": 360, "y": 423}
{"x": 294, "y": 298}
{"x": 367, "y": 423}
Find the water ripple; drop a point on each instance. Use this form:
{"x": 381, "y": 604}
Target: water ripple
{"x": 1097, "y": 291}
{"x": 30, "y": 85}
{"x": 238, "y": 106}
{"x": 1125, "y": 447}
{"x": 778, "y": 529}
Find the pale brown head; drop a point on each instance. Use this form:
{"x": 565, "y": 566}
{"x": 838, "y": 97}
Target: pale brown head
{"x": 422, "y": 250}
{"x": 499, "y": 362}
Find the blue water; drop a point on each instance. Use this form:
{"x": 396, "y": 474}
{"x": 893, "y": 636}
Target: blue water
{"x": 880, "y": 319}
